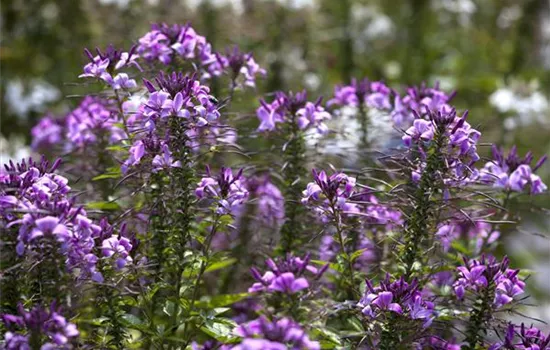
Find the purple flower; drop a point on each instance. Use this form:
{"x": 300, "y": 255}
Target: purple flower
{"x": 285, "y": 275}
{"x": 287, "y": 283}
{"x": 46, "y": 214}
{"x": 292, "y": 108}
{"x": 399, "y": 297}
{"x": 47, "y": 133}
{"x": 269, "y": 201}
{"x": 477, "y": 275}
{"x": 119, "y": 247}
{"x": 281, "y": 334}
{"x": 122, "y": 81}
{"x": 49, "y": 327}
{"x": 523, "y": 338}
{"x": 373, "y": 94}
{"x": 330, "y": 194}
{"x": 93, "y": 118}
{"x": 227, "y": 189}
{"x": 165, "y": 160}
{"x": 512, "y": 172}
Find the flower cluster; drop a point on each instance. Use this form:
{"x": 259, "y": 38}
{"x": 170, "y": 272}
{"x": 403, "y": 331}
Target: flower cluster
{"x": 47, "y": 133}
{"x": 285, "y": 275}
{"x": 525, "y": 339}
{"x": 292, "y": 108}
{"x": 178, "y": 96}
{"x": 458, "y": 138}
{"x": 417, "y": 99}
{"x": 399, "y": 297}
{"x": 49, "y": 217}
{"x": 38, "y": 327}
{"x": 373, "y": 94}
{"x": 275, "y": 335}
{"x": 330, "y": 194}
{"x": 240, "y": 64}
{"x": 94, "y": 122}
{"x": 103, "y": 65}
{"x": 478, "y": 275}
{"x": 513, "y": 173}
{"x": 226, "y": 189}
{"x": 167, "y": 43}
{"x": 478, "y": 234}
{"x": 269, "y": 201}
{"x": 420, "y": 100}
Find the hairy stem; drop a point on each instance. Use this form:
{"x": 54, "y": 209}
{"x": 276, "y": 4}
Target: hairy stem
{"x": 294, "y": 157}
{"x": 418, "y": 224}
{"x": 480, "y": 314}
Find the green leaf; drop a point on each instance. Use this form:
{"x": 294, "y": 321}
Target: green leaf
{"x": 459, "y": 247}
{"x": 103, "y": 205}
{"x": 220, "y": 264}
{"x": 106, "y": 176}
{"x": 132, "y": 319}
{"x": 222, "y": 300}
{"x": 221, "y": 330}
{"x": 358, "y": 253}
{"x": 115, "y": 148}
{"x": 333, "y": 266}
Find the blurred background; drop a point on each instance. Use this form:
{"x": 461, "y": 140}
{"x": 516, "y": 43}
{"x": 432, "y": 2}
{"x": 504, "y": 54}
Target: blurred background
{"x": 495, "y": 53}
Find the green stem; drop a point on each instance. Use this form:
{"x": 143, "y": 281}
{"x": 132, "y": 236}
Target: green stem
{"x": 479, "y": 315}
{"x": 340, "y": 235}
{"x": 418, "y": 224}
{"x": 294, "y": 157}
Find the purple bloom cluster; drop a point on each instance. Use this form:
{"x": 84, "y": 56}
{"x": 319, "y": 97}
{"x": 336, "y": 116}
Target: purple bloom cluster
{"x": 95, "y": 120}
{"x": 166, "y": 43}
{"x": 460, "y": 140}
{"x": 292, "y": 108}
{"x": 103, "y": 65}
{"x": 47, "y": 133}
{"x": 92, "y": 119}
{"x": 226, "y": 189}
{"x": 281, "y": 334}
{"x": 177, "y": 96}
{"x": 49, "y": 327}
{"x": 399, "y": 297}
{"x": 512, "y": 172}
{"x": 48, "y": 216}
{"x": 241, "y": 64}
{"x": 285, "y": 275}
{"x": 436, "y": 343}
{"x": 477, "y": 275}
{"x": 525, "y": 339}
{"x": 373, "y": 94}
{"x": 269, "y": 201}
{"x": 479, "y": 233}
{"x": 420, "y": 100}
{"x": 330, "y": 194}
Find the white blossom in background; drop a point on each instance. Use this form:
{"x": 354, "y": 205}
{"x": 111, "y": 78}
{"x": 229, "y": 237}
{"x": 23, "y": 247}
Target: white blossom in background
{"x": 524, "y": 104}
{"x": 508, "y": 16}
{"x": 13, "y": 149}
{"x": 464, "y": 9}
{"x": 236, "y": 5}
{"x": 369, "y": 24}
{"x": 345, "y": 131}
{"x": 22, "y": 100}
{"x": 120, "y": 3}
